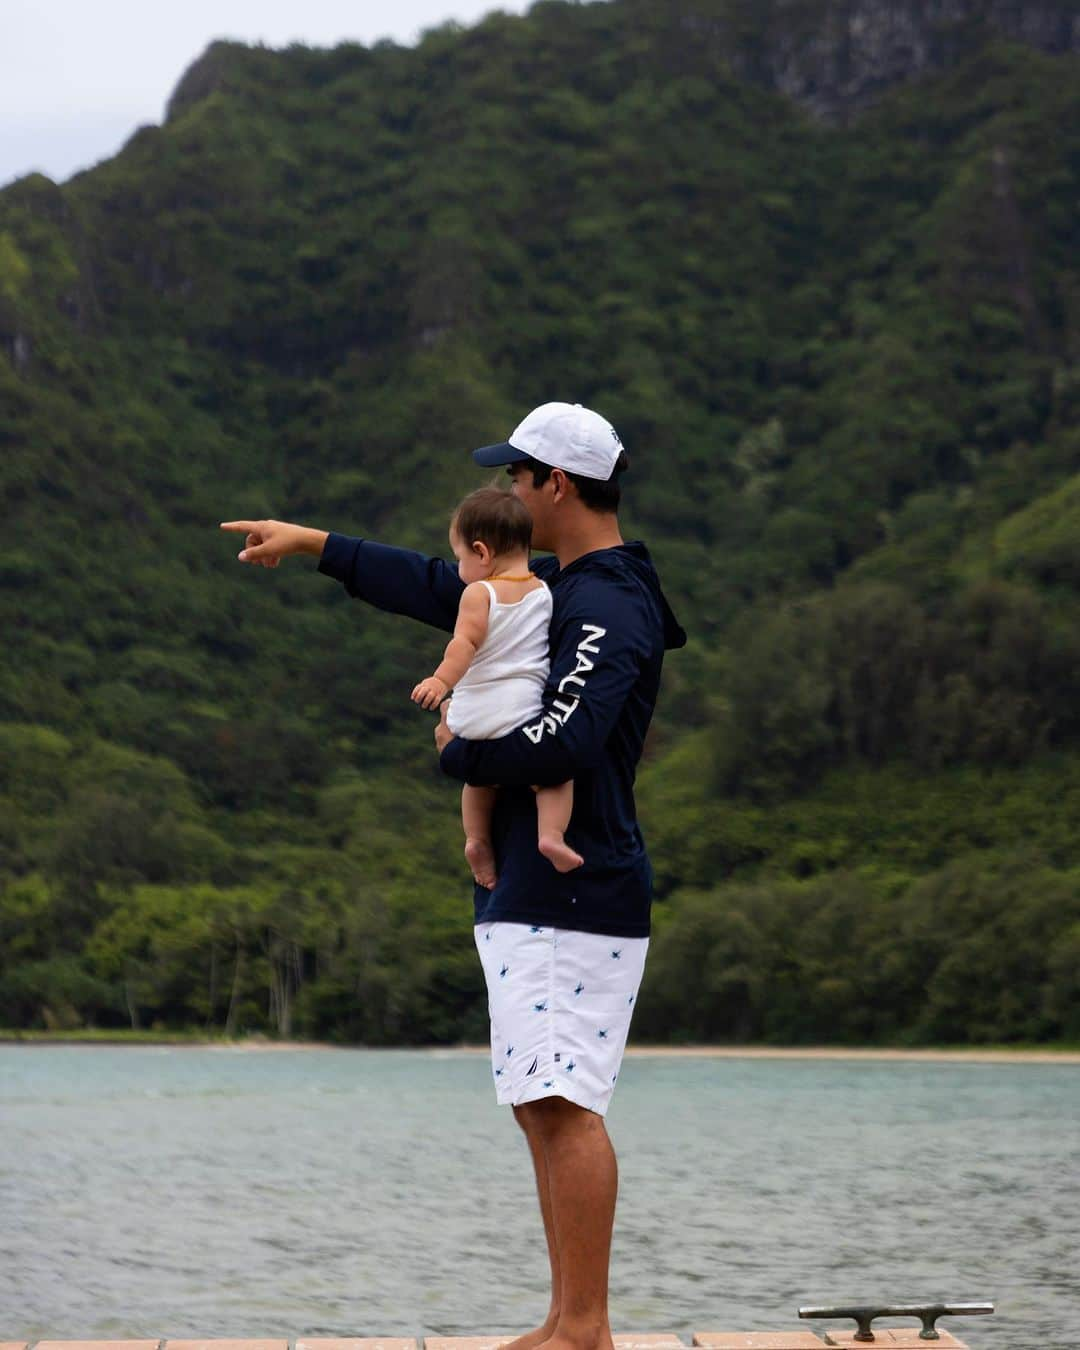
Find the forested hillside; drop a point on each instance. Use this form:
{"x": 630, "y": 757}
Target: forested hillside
{"x": 844, "y": 357}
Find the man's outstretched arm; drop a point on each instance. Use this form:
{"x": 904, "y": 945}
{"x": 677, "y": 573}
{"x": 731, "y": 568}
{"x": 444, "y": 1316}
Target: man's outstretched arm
{"x": 397, "y": 580}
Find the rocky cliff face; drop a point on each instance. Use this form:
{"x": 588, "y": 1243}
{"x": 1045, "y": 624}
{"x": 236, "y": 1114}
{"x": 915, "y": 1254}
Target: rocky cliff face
{"x": 203, "y": 77}
{"x": 836, "y": 57}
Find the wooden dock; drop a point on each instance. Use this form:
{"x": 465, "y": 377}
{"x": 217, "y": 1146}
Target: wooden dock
{"x": 888, "y": 1338}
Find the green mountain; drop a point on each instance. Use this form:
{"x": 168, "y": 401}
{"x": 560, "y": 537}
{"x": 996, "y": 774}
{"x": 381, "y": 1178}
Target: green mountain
{"x": 827, "y": 289}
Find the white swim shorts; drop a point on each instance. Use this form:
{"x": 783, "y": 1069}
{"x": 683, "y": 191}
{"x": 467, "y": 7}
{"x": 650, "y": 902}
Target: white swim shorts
{"x": 560, "y": 1003}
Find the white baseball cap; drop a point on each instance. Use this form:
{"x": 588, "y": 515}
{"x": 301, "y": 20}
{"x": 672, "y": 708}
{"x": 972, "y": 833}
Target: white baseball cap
{"x": 564, "y": 435}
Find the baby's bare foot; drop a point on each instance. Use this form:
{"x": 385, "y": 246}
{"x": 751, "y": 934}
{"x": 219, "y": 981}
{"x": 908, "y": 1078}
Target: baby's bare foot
{"x": 559, "y": 853}
{"x": 481, "y": 858}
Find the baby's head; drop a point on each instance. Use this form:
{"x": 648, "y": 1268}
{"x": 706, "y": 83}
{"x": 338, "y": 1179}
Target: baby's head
{"x": 489, "y": 529}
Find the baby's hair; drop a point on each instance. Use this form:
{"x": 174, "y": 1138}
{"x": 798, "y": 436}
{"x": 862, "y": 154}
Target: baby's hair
{"x": 495, "y": 517}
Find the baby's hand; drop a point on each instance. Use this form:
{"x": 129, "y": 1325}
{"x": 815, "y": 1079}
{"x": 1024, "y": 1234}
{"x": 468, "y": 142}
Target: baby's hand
{"x": 430, "y": 693}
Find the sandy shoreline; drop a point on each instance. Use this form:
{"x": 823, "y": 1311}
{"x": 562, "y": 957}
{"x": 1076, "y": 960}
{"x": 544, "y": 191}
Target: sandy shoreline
{"x": 972, "y": 1056}
{"x": 812, "y": 1052}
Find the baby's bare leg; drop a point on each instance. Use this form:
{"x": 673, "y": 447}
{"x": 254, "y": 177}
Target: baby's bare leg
{"x": 554, "y": 806}
{"x": 477, "y": 804}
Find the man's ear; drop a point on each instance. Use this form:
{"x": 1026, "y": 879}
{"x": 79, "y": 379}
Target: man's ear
{"x": 560, "y": 483}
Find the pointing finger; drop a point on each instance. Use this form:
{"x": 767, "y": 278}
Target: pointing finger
{"x": 240, "y": 525}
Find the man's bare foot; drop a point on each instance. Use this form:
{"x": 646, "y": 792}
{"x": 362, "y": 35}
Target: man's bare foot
{"x": 593, "y": 1338}
{"x": 481, "y": 858}
{"x": 532, "y": 1339}
{"x": 559, "y": 853}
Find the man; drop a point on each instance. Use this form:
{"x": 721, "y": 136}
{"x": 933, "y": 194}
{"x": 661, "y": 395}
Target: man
{"x": 562, "y": 953}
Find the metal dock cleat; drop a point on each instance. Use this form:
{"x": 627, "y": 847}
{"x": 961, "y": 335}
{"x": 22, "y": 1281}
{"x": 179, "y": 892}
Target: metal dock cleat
{"x": 865, "y": 1315}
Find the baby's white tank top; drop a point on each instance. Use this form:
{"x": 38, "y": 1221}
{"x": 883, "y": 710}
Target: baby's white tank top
{"x": 504, "y": 685}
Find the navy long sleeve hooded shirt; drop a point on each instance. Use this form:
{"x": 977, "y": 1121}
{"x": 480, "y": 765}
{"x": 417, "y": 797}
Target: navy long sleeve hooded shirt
{"x": 610, "y": 627}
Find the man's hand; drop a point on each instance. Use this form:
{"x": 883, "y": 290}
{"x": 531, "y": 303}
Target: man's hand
{"x": 430, "y": 693}
{"x": 443, "y": 734}
{"x": 268, "y": 541}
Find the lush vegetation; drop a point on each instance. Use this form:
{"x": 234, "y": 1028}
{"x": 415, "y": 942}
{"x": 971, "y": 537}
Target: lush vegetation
{"x": 846, "y": 364}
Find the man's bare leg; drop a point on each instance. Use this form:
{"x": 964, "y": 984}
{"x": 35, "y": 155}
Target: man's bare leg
{"x": 543, "y": 1191}
{"x": 583, "y": 1178}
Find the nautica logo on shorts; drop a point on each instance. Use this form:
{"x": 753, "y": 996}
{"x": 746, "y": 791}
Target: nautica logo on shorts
{"x": 551, "y": 721}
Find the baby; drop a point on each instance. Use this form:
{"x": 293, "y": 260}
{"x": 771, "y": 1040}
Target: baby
{"x": 497, "y": 664}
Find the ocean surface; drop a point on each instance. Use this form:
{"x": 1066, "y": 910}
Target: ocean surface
{"x": 150, "y": 1191}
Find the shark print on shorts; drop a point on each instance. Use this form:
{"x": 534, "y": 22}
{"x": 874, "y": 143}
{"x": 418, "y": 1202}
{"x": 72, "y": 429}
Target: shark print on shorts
{"x": 561, "y": 1002}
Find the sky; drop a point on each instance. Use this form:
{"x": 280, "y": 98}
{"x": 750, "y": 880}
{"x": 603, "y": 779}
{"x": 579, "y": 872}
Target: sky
{"x": 77, "y": 78}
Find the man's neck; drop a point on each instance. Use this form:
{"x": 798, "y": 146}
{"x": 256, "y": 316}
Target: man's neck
{"x": 603, "y": 532}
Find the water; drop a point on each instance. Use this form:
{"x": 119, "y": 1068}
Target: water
{"x": 164, "y": 1191}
